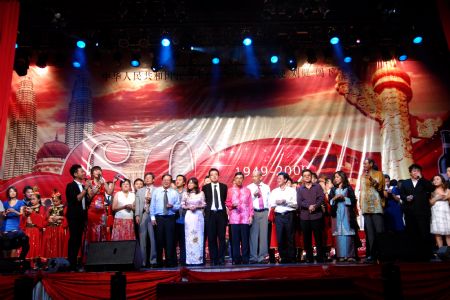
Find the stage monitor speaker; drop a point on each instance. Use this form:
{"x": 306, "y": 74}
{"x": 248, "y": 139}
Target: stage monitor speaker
{"x": 444, "y": 253}
{"x": 113, "y": 256}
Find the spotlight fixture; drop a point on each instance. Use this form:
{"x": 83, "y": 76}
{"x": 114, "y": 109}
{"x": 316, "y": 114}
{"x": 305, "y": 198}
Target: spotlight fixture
{"x": 274, "y": 59}
{"x": 76, "y": 64}
{"x": 401, "y": 54}
{"x": 21, "y": 62}
{"x": 247, "y": 41}
{"x": 348, "y": 59}
{"x": 311, "y": 56}
{"x": 334, "y": 40}
{"x": 135, "y": 60}
{"x": 165, "y": 42}
{"x": 81, "y": 44}
{"x": 215, "y": 60}
{"x": 41, "y": 60}
{"x": 417, "y": 39}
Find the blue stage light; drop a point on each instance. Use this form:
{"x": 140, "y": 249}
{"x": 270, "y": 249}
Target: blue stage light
{"x": 334, "y": 40}
{"x": 81, "y": 44}
{"x": 274, "y": 59}
{"x": 165, "y": 42}
{"x": 403, "y": 57}
{"x": 135, "y": 63}
{"x": 76, "y": 64}
{"x": 247, "y": 41}
{"x": 347, "y": 59}
{"x": 17, "y": 46}
{"x": 215, "y": 61}
{"x": 417, "y": 40}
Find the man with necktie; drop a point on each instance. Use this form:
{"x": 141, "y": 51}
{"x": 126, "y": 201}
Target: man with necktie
{"x": 142, "y": 210}
{"x": 215, "y": 217}
{"x": 164, "y": 204}
{"x": 258, "y": 231}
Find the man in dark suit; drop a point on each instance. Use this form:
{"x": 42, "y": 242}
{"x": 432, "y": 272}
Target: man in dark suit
{"x": 215, "y": 217}
{"x": 415, "y": 195}
{"x": 76, "y": 197}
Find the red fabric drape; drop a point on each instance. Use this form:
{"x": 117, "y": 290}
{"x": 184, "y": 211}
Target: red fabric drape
{"x": 7, "y": 286}
{"x": 9, "y": 19}
{"x": 425, "y": 281}
{"x": 140, "y": 285}
{"x": 367, "y": 278}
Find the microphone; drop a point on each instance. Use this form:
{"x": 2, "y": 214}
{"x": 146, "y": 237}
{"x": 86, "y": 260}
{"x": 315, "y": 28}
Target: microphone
{"x": 120, "y": 177}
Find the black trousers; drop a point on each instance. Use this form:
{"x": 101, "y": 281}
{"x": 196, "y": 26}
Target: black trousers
{"x": 76, "y": 229}
{"x": 181, "y": 241}
{"x": 285, "y": 236}
{"x": 373, "y": 227}
{"x": 310, "y": 227}
{"x": 418, "y": 229}
{"x": 240, "y": 234}
{"x": 216, "y": 226}
{"x": 165, "y": 240}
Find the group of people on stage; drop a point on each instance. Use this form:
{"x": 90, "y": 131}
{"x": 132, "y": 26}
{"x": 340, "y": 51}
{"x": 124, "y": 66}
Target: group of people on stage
{"x": 295, "y": 216}
{"x": 27, "y": 224}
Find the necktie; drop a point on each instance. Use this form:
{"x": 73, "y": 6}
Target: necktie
{"x": 216, "y": 197}
{"x": 261, "y": 200}
{"x": 147, "y": 195}
{"x": 166, "y": 201}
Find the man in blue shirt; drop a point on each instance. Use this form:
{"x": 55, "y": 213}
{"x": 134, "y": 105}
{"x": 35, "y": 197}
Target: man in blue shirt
{"x": 163, "y": 206}
{"x": 27, "y": 192}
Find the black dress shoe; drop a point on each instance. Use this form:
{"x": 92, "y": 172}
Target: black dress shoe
{"x": 369, "y": 260}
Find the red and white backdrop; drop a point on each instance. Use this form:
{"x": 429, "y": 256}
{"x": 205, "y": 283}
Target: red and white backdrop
{"x": 132, "y": 121}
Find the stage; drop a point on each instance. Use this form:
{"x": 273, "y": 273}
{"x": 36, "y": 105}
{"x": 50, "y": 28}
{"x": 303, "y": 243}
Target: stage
{"x": 337, "y": 280}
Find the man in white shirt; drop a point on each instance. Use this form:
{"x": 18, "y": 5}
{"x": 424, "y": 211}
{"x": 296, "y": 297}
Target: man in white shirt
{"x": 284, "y": 200}
{"x": 258, "y": 231}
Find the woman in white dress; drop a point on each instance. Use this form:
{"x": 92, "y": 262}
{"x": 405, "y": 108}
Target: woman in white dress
{"x": 123, "y": 203}
{"x": 194, "y": 201}
{"x": 440, "y": 211}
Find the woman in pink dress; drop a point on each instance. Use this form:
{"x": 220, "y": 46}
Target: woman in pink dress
{"x": 97, "y": 215}
{"x": 194, "y": 201}
{"x": 123, "y": 203}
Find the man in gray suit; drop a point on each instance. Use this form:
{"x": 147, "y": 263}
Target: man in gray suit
{"x": 143, "y": 197}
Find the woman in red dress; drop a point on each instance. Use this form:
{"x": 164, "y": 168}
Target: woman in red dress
{"x": 32, "y": 223}
{"x": 97, "y": 213}
{"x": 55, "y": 238}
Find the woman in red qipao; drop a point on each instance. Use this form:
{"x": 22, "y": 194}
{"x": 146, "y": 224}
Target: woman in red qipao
{"x": 97, "y": 212}
{"x": 32, "y": 223}
{"x": 55, "y": 239}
